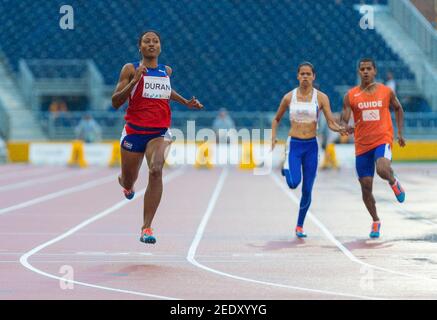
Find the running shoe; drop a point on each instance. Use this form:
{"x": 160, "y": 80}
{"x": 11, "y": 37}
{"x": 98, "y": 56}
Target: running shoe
{"x": 300, "y": 233}
{"x": 398, "y": 191}
{"x": 147, "y": 236}
{"x": 129, "y": 194}
{"x": 375, "y": 232}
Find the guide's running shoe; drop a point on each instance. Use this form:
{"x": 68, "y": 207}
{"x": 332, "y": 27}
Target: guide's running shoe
{"x": 375, "y": 232}
{"x": 398, "y": 191}
{"x": 147, "y": 236}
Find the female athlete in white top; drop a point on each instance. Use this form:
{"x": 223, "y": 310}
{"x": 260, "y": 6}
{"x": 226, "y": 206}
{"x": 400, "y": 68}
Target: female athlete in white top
{"x": 304, "y": 104}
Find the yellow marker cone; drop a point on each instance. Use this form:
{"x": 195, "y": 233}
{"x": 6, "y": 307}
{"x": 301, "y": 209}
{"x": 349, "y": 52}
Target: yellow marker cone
{"x": 77, "y": 158}
{"x": 116, "y": 155}
{"x": 330, "y": 158}
{"x": 203, "y": 156}
{"x": 247, "y": 161}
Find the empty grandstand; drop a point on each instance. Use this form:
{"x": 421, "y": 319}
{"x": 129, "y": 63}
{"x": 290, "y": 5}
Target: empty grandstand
{"x": 241, "y": 55}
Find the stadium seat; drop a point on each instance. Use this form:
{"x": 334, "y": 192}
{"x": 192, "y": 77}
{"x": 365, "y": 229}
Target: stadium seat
{"x": 227, "y": 53}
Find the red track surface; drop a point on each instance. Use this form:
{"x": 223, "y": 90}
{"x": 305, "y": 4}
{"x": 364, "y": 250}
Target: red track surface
{"x": 222, "y": 234}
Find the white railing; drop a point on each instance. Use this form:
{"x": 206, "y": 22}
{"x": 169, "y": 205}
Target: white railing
{"x": 416, "y": 25}
{"x": 4, "y": 123}
{"x": 421, "y": 31}
{"x": 51, "y": 77}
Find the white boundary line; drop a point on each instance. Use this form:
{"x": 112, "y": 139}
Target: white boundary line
{"x": 32, "y": 182}
{"x": 26, "y": 173}
{"x": 337, "y": 243}
{"x": 25, "y": 257}
{"x": 11, "y": 169}
{"x": 53, "y": 195}
{"x": 200, "y": 230}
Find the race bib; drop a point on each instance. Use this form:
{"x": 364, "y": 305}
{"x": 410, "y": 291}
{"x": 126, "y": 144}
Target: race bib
{"x": 371, "y": 115}
{"x": 157, "y": 88}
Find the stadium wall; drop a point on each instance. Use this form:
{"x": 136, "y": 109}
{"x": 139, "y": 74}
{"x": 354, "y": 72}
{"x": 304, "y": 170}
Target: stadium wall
{"x": 76, "y": 153}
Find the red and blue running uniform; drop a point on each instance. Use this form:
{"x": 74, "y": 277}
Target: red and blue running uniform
{"x": 148, "y": 115}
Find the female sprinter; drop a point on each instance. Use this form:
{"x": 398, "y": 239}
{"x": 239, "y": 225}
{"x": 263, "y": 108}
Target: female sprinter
{"x": 304, "y": 104}
{"x": 147, "y": 86}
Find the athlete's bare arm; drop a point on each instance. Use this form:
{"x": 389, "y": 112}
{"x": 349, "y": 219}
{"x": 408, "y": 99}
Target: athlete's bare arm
{"x": 192, "y": 103}
{"x": 283, "y": 106}
{"x": 129, "y": 77}
{"x": 399, "y": 115}
{"x": 346, "y": 114}
{"x": 326, "y": 107}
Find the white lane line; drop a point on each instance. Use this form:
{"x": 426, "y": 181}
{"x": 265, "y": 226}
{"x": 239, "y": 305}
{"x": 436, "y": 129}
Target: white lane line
{"x": 25, "y": 257}
{"x": 337, "y": 243}
{"x": 198, "y": 237}
{"x": 82, "y": 254}
{"x": 32, "y": 182}
{"x": 88, "y": 234}
{"x": 51, "y": 196}
{"x": 95, "y": 261}
{"x": 35, "y": 171}
{"x": 10, "y": 169}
